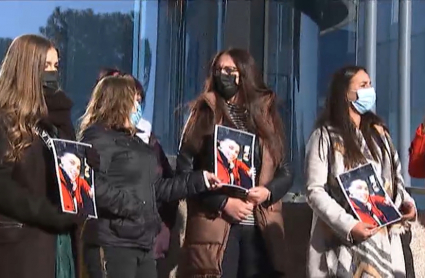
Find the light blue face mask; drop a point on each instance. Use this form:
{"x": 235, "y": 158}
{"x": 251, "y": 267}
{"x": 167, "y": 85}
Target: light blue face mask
{"x": 136, "y": 116}
{"x": 366, "y": 99}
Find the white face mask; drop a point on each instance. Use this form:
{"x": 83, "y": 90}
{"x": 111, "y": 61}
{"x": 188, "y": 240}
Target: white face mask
{"x": 366, "y": 99}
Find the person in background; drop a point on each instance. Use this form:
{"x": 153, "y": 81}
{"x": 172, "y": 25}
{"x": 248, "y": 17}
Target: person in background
{"x": 34, "y": 233}
{"x": 129, "y": 184}
{"x": 417, "y": 154}
{"x": 230, "y": 237}
{"x": 347, "y": 135}
{"x": 167, "y": 210}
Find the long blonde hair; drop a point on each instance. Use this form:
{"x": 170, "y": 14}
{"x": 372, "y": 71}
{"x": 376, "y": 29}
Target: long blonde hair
{"x": 22, "y": 102}
{"x": 111, "y": 103}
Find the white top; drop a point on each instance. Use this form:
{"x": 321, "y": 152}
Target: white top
{"x": 144, "y": 130}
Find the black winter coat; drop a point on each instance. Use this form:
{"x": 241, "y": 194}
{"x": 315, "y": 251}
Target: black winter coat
{"x": 128, "y": 186}
{"x": 30, "y": 215}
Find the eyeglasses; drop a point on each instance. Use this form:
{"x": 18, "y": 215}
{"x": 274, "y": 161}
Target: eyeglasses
{"x": 227, "y": 70}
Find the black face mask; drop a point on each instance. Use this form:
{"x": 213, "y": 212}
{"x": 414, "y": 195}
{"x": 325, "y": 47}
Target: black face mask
{"x": 225, "y": 85}
{"x": 51, "y": 80}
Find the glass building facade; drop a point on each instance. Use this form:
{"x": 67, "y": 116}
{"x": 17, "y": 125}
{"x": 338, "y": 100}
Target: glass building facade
{"x": 297, "y": 44}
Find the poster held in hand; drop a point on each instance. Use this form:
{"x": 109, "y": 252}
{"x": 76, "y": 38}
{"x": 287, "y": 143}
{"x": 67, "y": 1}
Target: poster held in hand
{"x": 75, "y": 177}
{"x": 368, "y": 200}
{"x": 234, "y": 160}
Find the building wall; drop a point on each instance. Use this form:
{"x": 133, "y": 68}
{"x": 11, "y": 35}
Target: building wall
{"x": 170, "y": 53}
{"x": 168, "y": 46}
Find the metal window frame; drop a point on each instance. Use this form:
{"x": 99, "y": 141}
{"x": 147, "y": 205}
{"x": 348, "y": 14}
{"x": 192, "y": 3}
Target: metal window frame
{"x": 145, "y": 28}
{"x": 404, "y": 77}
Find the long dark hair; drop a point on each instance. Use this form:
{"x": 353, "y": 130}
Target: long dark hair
{"x": 336, "y": 114}
{"x": 259, "y": 101}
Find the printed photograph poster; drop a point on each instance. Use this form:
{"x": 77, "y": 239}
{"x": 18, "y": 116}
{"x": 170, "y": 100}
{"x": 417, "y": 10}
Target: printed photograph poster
{"x": 75, "y": 177}
{"x": 367, "y": 198}
{"x": 234, "y": 159}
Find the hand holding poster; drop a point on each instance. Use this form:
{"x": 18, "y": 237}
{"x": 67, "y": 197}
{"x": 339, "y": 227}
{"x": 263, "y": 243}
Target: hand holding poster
{"x": 367, "y": 198}
{"x": 75, "y": 177}
{"x": 234, "y": 160}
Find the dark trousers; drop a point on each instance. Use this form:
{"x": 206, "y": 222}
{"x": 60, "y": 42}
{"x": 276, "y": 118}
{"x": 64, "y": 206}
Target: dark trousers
{"x": 245, "y": 255}
{"x": 117, "y": 262}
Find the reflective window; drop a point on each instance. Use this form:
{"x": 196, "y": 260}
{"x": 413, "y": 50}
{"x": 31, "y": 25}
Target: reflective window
{"x": 387, "y": 68}
{"x": 187, "y": 40}
{"x": 89, "y": 34}
{"x": 387, "y": 62}
{"x": 301, "y": 53}
{"x": 296, "y": 51}
{"x": 417, "y": 96}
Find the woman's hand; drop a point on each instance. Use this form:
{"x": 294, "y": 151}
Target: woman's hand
{"x": 408, "y": 211}
{"x": 258, "y": 195}
{"x": 162, "y": 242}
{"x": 238, "y": 209}
{"x": 363, "y": 231}
{"x": 212, "y": 181}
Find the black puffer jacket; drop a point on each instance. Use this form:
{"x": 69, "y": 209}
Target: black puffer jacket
{"x": 128, "y": 187}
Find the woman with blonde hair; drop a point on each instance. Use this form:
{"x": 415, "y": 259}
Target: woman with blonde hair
{"x": 167, "y": 211}
{"x": 128, "y": 184}
{"x": 32, "y": 228}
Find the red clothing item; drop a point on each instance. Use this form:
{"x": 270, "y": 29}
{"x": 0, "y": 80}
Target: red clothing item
{"x": 365, "y": 216}
{"x": 417, "y": 154}
{"x": 223, "y": 173}
{"x": 67, "y": 199}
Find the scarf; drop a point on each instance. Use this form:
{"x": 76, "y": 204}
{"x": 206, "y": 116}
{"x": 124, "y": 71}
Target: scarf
{"x": 381, "y": 255}
{"x": 64, "y": 260}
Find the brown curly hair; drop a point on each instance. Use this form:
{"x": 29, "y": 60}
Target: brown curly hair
{"x": 22, "y": 103}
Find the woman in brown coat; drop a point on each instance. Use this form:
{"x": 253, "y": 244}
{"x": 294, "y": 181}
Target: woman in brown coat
{"x": 230, "y": 237}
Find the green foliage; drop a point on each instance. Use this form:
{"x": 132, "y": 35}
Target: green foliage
{"x": 4, "y": 45}
{"x": 88, "y": 41}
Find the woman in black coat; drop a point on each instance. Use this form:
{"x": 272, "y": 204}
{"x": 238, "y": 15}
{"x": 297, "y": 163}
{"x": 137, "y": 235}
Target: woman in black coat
{"x": 167, "y": 210}
{"x": 30, "y": 216}
{"x": 129, "y": 184}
